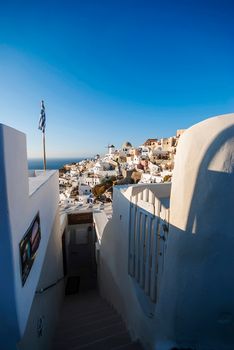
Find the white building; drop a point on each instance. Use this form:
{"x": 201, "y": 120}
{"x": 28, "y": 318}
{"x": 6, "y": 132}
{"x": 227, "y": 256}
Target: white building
{"x": 62, "y": 197}
{"x": 145, "y": 151}
{"x": 97, "y": 167}
{"x": 136, "y": 159}
{"x": 84, "y": 189}
{"x": 125, "y": 149}
{"x": 90, "y": 180}
{"x": 150, "y": 179}
{"x": 153, "y": 168}
{"x": 111, "y": 149}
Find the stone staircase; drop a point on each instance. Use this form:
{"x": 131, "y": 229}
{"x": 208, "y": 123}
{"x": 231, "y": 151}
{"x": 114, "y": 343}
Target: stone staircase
{"x": 87, "y": 322}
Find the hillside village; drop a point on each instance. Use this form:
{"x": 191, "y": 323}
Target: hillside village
{"x": 89, "y": 182}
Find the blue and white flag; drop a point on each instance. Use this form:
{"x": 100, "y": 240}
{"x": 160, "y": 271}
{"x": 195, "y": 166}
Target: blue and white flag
{"x": 42, "y": 121}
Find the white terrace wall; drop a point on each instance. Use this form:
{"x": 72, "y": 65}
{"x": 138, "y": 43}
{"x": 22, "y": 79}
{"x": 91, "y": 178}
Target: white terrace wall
{"x": 21, "y": 199}
{"x": 115, "y": 282}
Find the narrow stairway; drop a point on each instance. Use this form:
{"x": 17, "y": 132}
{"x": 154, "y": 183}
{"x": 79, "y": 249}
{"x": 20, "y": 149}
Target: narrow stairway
{"x": 88, "y": 322}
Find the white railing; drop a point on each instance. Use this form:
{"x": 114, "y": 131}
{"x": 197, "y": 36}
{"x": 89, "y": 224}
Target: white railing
{"x": 148, "y": 229}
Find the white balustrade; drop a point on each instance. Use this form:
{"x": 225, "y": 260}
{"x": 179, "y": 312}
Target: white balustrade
{"x": 148, "y": 219}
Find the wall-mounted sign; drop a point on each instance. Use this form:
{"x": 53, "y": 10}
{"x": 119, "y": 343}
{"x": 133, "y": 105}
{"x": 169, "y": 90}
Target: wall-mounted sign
{"x": 29, "y": 246}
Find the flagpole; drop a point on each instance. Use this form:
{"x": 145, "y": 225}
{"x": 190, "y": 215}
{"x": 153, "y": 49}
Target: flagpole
{"x": 42, "y": 126}
{"x": 44, "y": 151}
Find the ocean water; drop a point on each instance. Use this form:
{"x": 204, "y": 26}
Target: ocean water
{"x": 51, "y": 163}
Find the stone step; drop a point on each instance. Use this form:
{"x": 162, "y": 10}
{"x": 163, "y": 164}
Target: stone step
{"x": 90, "y": 337}
{"x": 108, "y": 343}
{"x": 82, "y": 301}
{"x": 130, "y": 346}
{"x": 88, "y": 310}
{"x": 85, "y": 319}
{"x": 83, "y": 308}
{"x": 82, "y": 329}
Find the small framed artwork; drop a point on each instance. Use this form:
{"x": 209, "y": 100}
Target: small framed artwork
{"x": 28, "y": 247}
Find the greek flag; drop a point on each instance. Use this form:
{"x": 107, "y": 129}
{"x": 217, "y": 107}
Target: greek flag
{"x": 42, "y": 121}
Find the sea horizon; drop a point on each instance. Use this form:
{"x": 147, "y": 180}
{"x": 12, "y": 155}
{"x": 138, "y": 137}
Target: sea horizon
{"x": 52, "y": 163}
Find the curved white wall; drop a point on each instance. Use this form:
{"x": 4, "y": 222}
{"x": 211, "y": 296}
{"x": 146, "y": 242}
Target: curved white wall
{"x": 198, "y": 287}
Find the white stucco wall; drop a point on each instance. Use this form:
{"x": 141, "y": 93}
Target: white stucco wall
{"x": 20, "y": 201}
{"x": 46, "y": 306}
{"x": 198, "y": 303}
{"x": 115, "y": 283}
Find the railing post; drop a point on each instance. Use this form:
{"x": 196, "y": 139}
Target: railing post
{"x": 142, "y": 250}
{"x": 151, "y": 197}
{"x": 137, "y": 242}
{"x": 148, "y": 258}
{"x": 153, "y": 275}
{"x": 132, "y": 228}
{"x": 145, "y": 195}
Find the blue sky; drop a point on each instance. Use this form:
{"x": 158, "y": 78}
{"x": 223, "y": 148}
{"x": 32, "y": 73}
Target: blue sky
{"x": 115, "y": 70}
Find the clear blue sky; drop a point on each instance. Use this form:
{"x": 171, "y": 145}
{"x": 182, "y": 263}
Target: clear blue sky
{"x": 115, "y": 70}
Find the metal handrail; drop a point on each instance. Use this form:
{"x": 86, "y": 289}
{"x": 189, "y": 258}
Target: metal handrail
{"x": 42, "y": 290}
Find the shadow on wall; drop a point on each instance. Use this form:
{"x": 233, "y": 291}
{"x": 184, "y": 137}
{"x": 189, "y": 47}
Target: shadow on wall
{"x": 196, "y": 305}
{"x": 199, "y": 309}
{"x": 216, "y": 183}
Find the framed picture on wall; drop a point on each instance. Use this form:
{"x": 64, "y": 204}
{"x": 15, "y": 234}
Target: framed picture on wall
{"x": 28, "y": 247}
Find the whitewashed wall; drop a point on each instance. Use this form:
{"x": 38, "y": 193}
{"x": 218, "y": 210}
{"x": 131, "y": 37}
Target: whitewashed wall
{"x": 115, "y": 283}
{"x": 46, "y": 307}
{"x": 21, "y": 199}
{"x": 198, "y": 302}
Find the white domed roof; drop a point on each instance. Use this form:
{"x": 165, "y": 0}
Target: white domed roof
{"x": 126, "y": 144}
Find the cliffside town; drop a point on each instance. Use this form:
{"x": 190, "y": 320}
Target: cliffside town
{"x": 88, "y": 183}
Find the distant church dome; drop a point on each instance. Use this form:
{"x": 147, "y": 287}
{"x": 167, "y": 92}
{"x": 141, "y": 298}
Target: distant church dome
{"x": 126, "y": 144}
{"x": 157, "y": 151}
